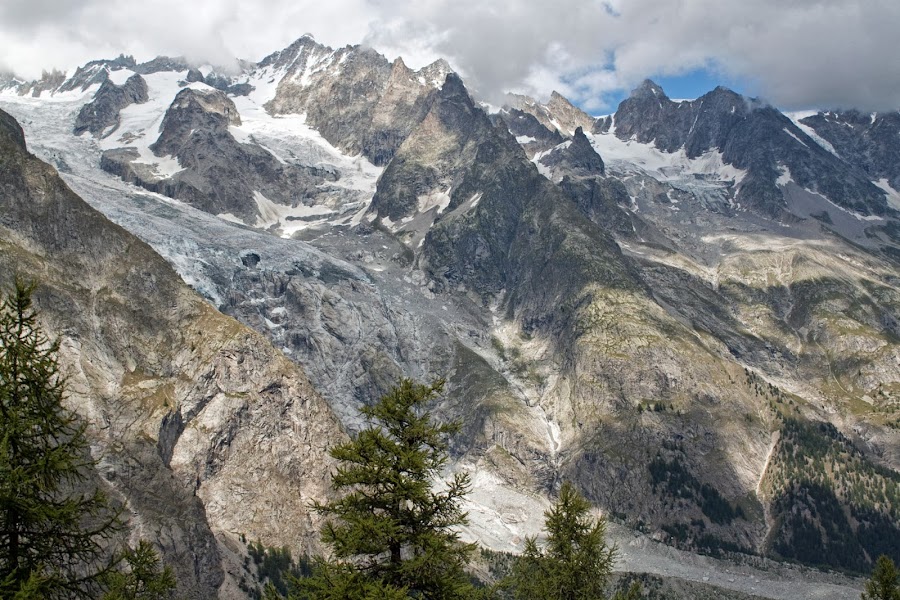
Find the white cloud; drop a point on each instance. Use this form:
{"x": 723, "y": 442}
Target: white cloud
{"x": 797, "y": 54}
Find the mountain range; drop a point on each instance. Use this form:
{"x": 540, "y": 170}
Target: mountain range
{"x": 689, "y": 309}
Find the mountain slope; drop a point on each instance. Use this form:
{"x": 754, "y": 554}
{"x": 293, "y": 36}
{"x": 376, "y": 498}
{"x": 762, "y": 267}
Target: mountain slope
{"x": 644, "y": 313}
{"x": 188, "y": 407}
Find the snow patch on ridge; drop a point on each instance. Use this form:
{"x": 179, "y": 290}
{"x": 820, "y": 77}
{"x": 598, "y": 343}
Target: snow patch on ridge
{"x": 290, "y": 139}
{"x": 163, "y": 167}
{"x": 796, "y": 118}
{"x": 119, "y": 76}
{"x": 893, "y": 196}
{"x": 785, "y": 177}
{"x": 436, "y": 199}
{"x": 791, "y": 133}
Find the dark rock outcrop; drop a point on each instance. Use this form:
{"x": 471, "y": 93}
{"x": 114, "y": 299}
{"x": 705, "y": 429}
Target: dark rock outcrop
{"x": 871, "y": 142}
{"x": 532, "y": 134}
{"x": 506, "y": 226}
{"x": 161, "y": 64}
{"x": 101, "y": 115}
{"x": 219, "y": 174}
{"x": 578, "y": 157}
{"x": 227, "y": 85}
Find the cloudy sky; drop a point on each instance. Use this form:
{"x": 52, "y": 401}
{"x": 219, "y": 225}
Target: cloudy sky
{"x": 794, "y": 53}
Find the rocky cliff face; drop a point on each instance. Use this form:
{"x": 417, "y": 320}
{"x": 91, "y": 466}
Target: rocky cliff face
{"x": 421, "y": 176}
{"x": 202, "y": 429}
{"x": 353, "y": 96}
{"x": 579, "y": 170}
{"x": 871, "y": 141}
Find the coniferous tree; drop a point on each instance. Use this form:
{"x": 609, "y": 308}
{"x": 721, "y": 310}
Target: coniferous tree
{"x": 885, "y": 581}
{"x": 51, "y": 536}
{"x": 391, "y": 532}
{"x": 576, "y": 563}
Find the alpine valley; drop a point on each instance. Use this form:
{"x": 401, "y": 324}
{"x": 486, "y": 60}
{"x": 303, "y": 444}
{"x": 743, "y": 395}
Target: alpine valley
{"x": 689, "y": 309}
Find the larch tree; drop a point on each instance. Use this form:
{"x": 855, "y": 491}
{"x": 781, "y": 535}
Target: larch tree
{"x": 884, "y": 584}
{"x": 52, "y": 528}
{"x": 575, "y": 564}
{"x": 392, "y": 529}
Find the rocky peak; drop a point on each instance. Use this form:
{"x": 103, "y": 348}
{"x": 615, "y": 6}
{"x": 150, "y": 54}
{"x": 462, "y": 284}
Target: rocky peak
{"x": 454, "y": 88}
{"x": 648, "y": 115}
{"x": 431, "y": 159}
{"x": 582, "y": 149}
{"x": 519, "y": 101}
{"x": 306, "y": 62}
{"x": 577, "y": 158}
{"x": 101, "y": 115}
{"x": 354, "y": 97}
{"x": 752, "y": 137}
{"x": 649, "y": 89}
{"x": 568, "y": 116}
{"x": 208, "y": 110}
{"x": 96, "y": 72}
{"x": 723, "y": 101}
{"x": 434, "y": 74}
{"x": 714, "y": 114}
{"x": 556, "y": 97}
{"x": 8, "y": 80}
{"x": 49, "y": 82}
{"x": 527, "y": 104}
{"x": 699, "y": 125}
{"x": 400, "y": 70}
{"x": 557, "y": 115}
